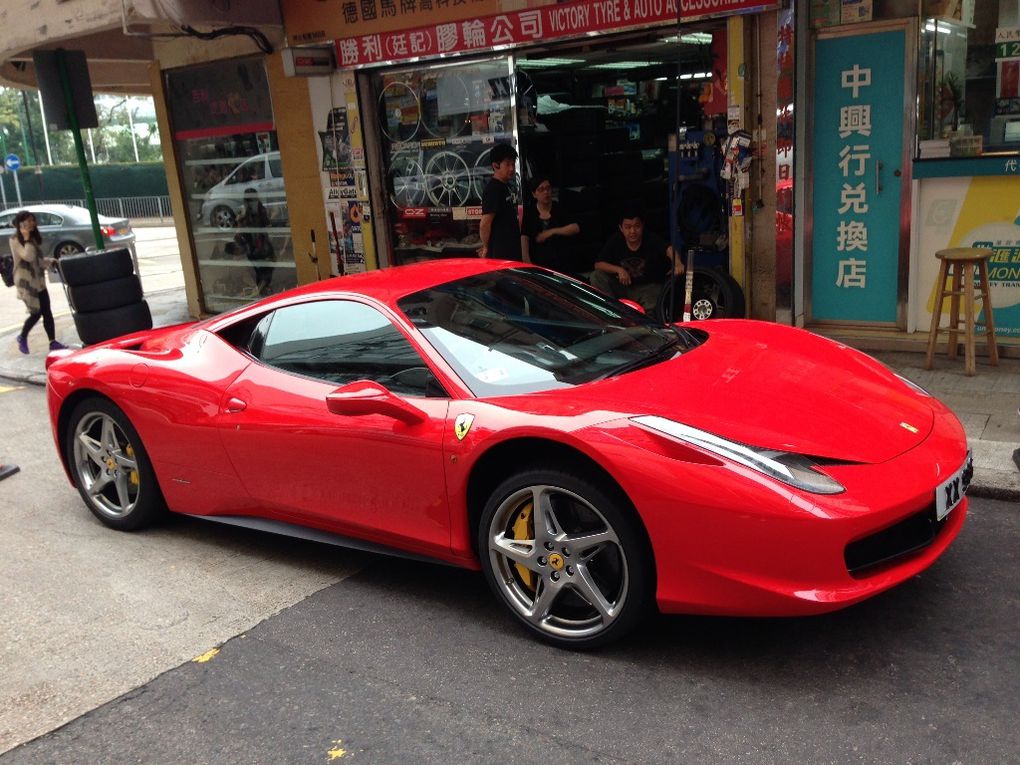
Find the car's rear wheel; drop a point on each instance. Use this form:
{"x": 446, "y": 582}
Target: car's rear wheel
{"x": 67, "y": 248}
{"x": 111, "y": 467}
{"x": 566, "y": 556}
{"x": 223, "y": 217}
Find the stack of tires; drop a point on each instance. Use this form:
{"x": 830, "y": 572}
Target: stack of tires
{"x": 105, "y": 295}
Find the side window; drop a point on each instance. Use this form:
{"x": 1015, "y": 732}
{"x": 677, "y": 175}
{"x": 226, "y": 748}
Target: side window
{"x": 48, "y": 219}
{"x": 276, "y": 167}
{"x": 341, "y": 341}
{"x": 6, "y": 220}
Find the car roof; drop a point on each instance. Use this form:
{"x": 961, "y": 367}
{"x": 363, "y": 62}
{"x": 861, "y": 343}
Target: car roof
{"x": 385, "y": 285}
{"x": 79, "y": 213}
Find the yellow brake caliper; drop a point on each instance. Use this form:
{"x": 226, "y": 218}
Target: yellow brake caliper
{"x": 133, "y": 476}
{"x": 524, "y": 528}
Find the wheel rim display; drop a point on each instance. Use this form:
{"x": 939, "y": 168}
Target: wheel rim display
{"x": 105, "y": 465}
{"x": 399, "y": 112}
{"x": 445, "y": 123}
{"x": 558, "y": 562}
{"x": 448, "y": 179}
{"x": 408, "y": 182}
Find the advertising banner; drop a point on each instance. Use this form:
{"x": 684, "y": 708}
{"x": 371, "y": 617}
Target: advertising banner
{"x": 538, "y": 24}
{"x": 982, "y": 211}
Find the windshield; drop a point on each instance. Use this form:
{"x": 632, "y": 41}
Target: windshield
{"x": 524, "y": 330}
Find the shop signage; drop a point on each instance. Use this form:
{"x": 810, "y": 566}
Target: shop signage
{"x": 858, "y": 138}
{"x": 311, "y": 21}
{"x": 219, "y": 99}
{"x": 529, "y": 26}
{"x": 1007, "y": 42}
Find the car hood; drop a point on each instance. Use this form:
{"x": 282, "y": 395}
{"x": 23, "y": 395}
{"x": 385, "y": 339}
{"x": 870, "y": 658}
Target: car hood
{"x": 778, "y": 388}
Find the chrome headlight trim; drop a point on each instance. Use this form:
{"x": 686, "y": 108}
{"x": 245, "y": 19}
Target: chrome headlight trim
{"x": 795, "y": 470}
{"x": 913, "y": 385}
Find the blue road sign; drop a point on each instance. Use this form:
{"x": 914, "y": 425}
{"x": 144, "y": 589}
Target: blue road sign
{"x": 12, "y": 162}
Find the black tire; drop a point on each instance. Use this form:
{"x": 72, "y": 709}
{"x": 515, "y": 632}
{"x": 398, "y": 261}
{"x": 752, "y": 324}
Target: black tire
{"x": 67, "y": 249}
{"x": 550, "y": 585}
{"x": 93, "y": 267}
{"x": 715, "y": 295}
{"x": 102, "y": 296}
{"x": 99, "y": 326}
{"x": 110, "y": 466}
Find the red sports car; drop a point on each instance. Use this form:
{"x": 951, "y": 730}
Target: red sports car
{"x": 591, "y": 461}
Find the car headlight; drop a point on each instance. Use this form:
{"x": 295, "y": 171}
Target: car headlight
{"x": 795, "y": 470}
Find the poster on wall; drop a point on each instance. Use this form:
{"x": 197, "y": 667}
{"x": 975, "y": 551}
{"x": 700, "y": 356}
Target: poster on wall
{"x": 982, "y": 211}
{"x": 344, "y": 190}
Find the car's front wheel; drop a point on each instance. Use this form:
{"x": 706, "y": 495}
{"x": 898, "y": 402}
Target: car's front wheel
{"x": 222, "y": 217}
{"x": 567, "y": 557}
{"x": 111, "y": 467}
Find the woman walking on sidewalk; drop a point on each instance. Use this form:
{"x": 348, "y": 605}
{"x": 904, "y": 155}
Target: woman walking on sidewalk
{"x": 30, "y": 279}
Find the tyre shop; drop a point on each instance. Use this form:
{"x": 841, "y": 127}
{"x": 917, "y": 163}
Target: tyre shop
{"x": 405, "y": 138}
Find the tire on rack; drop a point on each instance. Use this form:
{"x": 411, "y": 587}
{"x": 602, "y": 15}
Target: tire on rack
{"x": 715, "y": 295}
{"x": 101, "y": 296}
{"x": 580, "y": 573}
{"x": 110, "y": 466}
{"x": 99, "y": 326}
{"x": 223, "y": 217}
{"x": 93, "y": 267}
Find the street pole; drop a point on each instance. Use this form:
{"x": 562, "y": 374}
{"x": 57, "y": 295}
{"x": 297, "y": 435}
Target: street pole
{"x": 45, "y": 132}
{"x": 79, "y": 147}
{"x": 131, "y": 124}
{"x": 3, "y": 186}
{"x": 17, "y": 187}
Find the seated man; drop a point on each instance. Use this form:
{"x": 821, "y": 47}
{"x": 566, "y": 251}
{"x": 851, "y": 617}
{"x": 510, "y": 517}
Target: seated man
{"x": 634, "y": 264}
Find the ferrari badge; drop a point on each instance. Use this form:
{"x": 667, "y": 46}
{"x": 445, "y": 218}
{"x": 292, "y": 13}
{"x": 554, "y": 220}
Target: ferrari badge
{"x": 908, "y": 426}
{"x": 462, "y": 425}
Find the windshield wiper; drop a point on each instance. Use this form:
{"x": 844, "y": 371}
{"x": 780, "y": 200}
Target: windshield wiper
{"x": 653, "y": 357}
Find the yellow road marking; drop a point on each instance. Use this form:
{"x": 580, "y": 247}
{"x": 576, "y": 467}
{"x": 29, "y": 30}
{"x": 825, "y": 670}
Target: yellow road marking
{"x": 337, "y": 751}
{"x": 8, "y": 389}
{"x": 206, "y": 656}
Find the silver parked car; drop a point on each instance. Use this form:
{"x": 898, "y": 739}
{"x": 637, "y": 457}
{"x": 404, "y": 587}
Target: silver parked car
{"x": 261, "y": 174}
{"x": 67, "y": 229}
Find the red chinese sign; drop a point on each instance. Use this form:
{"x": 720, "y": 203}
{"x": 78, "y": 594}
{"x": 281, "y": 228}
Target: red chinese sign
{"x": 534, "y": 25}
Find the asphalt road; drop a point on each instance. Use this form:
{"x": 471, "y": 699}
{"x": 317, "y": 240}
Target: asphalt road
{"x": 326, "y": 655}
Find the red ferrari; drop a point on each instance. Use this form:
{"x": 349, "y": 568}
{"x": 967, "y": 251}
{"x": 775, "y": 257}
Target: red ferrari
{"x": 591, "y": 461}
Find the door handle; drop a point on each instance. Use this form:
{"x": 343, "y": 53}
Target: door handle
{"x": 235, "y": 405}
{"x": 878, "y": 177}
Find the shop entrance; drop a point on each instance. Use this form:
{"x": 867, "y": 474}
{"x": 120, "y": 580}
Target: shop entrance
{"x": 600, "y": 122}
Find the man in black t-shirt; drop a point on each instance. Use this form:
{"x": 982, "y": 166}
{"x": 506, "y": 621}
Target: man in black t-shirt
{"x": 634, "y": 264}
{"x": 499, "y": 230}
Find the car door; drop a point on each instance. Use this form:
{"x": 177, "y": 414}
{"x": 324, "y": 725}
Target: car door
{"x": 370, "y": 476}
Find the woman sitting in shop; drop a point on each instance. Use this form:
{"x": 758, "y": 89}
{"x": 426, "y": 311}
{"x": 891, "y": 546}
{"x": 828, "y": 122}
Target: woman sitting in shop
{"x": 546, "y": 231}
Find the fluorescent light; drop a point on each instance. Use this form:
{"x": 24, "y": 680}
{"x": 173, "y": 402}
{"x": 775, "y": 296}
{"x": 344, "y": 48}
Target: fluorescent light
{"x": 541, "y": 62}
{"x": 694, "y": 38}
{"x": 625, "y": 65}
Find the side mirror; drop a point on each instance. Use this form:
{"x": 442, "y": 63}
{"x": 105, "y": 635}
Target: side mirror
{"x": 367, "y": 397}
{"x": 631, "y": 304}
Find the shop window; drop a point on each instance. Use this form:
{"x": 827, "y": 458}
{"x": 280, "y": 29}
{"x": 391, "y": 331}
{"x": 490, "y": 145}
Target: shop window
{"x": 233, "y": 179}
{"x": 438, "y": 127}
{"x": 969, "y": 78}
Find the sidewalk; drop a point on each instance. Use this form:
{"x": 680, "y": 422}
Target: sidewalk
{"x": 986, "y": 403}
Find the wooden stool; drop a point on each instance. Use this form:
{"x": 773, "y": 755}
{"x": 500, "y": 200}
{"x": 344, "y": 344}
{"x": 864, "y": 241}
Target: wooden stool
{"x": 960, "y": 263}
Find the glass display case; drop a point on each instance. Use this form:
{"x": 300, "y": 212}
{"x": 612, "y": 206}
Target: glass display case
{"x": 232, "y": 175}
{"x": 969, "y": 78}
{"x": 438, "y": 127}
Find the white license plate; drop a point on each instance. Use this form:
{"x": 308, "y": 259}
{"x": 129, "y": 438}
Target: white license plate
{"x": 951, "y": 491}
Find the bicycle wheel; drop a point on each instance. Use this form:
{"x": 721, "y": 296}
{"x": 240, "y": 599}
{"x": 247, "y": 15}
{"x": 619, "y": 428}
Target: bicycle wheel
{"x": 399, "y": 112}
{"x": 407, "y": 182}
{"x": 445, "y": 106}
{"x": 447, "y": 179}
